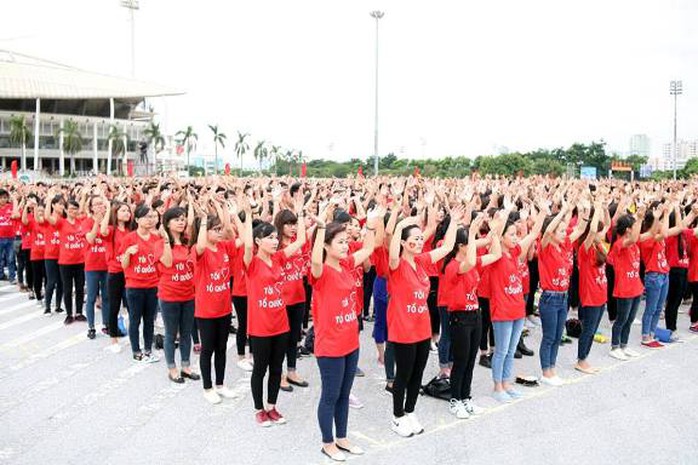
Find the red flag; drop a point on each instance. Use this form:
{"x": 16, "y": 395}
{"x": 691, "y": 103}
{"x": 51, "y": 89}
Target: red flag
{"x": 227, "y": 169}
{"x": 304, "y": 170}
{"x": 361, "y": 171}
{"x": 180, "y": 149}
{"x": 129, "y": 168}
{"x": 416, "y": 171}
{"x": 13, "y": 167}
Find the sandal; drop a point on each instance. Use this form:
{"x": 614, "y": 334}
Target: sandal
{"x": 337, "y": 456}
{"x": 192, "y": 376}
{"x": 178, "y": 379}
{"x": 588, "y": 371}
{"x": 302, "y": 384}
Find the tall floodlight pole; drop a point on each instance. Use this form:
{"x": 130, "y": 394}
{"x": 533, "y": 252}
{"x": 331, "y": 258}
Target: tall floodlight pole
{"x": 675, "y": 89}
{"x": 132, "y": 6}
{"x": 376, "y": 15}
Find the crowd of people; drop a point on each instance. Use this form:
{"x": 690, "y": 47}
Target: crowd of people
{"x": 450, "y": 265}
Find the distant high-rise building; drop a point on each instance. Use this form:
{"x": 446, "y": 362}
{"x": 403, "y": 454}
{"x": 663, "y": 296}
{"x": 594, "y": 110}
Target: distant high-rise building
{"x": 640, "y": 145}
{"x": 686, "y": 149}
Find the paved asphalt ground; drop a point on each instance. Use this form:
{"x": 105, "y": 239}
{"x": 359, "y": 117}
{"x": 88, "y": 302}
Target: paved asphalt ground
{"x": 64, "y": 400}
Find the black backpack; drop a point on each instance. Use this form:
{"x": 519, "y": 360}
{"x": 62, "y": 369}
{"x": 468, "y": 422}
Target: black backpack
{"x": 440, "y": 388}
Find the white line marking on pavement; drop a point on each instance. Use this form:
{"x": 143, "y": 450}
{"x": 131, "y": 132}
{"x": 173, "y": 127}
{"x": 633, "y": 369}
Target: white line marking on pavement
{"x": 54, "y": 349}
{"x": 19, "y": 320}
{"x": 28, "y": 337}
{"x": 20, "y": 306}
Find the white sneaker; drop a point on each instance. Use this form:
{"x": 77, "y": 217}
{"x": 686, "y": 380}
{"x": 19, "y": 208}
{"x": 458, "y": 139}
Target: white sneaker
{"x": 354, "y": 402}
{"x": 675, "y": 337}
{"x": 226, "y": 392}
{"x": 212, "y": 396}
{"x": 630, "y": 353}
{"x": 457, "y": 409}
{"x": 151, "y": 358}
{"x": 113, "y": 348}
{"x": 402, "y": 426}
{"x": 245, "y": 364}
{"x": 417, "y": 427}
{"x": 472, "y": 408}
{"x": 434, "y": 347}
{"x": 637, "y": 322}
{"x": 554, "y": 381}
{"x": 618, "y": 354}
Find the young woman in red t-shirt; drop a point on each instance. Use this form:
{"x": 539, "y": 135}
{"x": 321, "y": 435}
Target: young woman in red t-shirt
{"x": 459, "y": 281}
{"x": 55, "y": 204}
{"x": 267, "y": 321}
{"x": 96, "y": 262}
{"x": 34, "y": 224}
{"x": 627, "y": 287}
{"x": 336, "y": 326}
{"x": 138, "y": 260}
{"x": 692, "y": 246}
{"x": 71, "y": 259}
{"x": 409, "y": 325}
{"x": 119, "y": 227}
{"x": 677, "y": 256}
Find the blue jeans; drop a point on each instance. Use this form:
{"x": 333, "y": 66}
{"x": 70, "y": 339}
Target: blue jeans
{"x": 553, "y": 314}
{"x": 179, "y": 319}
{"x": 97, "y": 282}
{"x": 656, "y": 291}
{"x": 626, "y": 310}
{"x": 142, "y": 304}
{"x": 445, "y": 356}
{"x": 380, "y": 307}
{"x": 7, "y": 257}
{"x": 506, "y": 338}
{"x": 590, "y": 318}
{"x": 337, "y": 374}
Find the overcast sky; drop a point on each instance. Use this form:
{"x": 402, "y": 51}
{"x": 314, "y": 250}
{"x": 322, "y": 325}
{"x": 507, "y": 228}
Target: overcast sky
{"x": 456, "y": 77}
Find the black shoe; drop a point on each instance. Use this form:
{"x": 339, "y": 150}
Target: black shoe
{"x": 518, "y": 354}
{"x": 359, "y": 373}
{"x": 369, "y": 319}
{"x": 389, "y": 388}
{"x": 69, "y": 320}
{"x": 80, "y": 317}
{"x": 232, "y": 330}
{"x": 192, "y": 376}
{"x": 47, "y": 311}
{"x": 59, "y": 310}
{"x": 486, "y": 361}
{"x": 105, "y": 331}
{"x": 32, "y": 296}
{"x": 91, "y": 333}
{"x": 178, "y": 379}
{"x": 523, "y": 349}
{"x": 288, "y": 388}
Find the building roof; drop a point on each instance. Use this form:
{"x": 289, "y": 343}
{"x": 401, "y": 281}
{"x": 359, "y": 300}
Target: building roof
{"x": 26, "y": 77}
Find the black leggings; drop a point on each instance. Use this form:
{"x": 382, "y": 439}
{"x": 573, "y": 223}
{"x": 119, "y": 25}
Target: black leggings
{"x": 535, "y": 279}
{"x": 487, "y": 333}
{"x": 73, "y": 276}
{"x": 694, "y": 304}
{"x": 369, "y": 278}
{"x": 214, "y": 339}
{"x": 677, "y": 287}
{"x": 432, "y": 299}
{"x": 53, "y": 283}
{"x": 295, "y": 314}
{"x": 410, "y": 360}
{"x": 465, "y": 330}
{"x": 240, "y": 304}
{"x": 24, "y": 268}
{"x": 268, "y": 353}
{"x": 38, "y": 272}
{"x": 115, "y": 289}
{"x": 308, "y": 300}
{"x": 611, "y": 304}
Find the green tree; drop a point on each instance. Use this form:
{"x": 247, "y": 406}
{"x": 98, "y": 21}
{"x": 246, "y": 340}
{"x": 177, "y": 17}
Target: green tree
{"x": 188, "y": 139}
{"x": 72, "y": 141}
{"x": 241, "y": 147}
{"x": 219, "y": 138}
{"x": 118, "y": 139}
{"x": 274, "y": 153}
{"x": 260, "y": 153}
{"x": 548, "y": 166}
{"x": 691, "y": 168}
{"x": 155, "y": 139}
{"x": 19, "y": 135}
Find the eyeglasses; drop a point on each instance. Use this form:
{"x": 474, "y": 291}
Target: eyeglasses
{"x": 217, "y": 229}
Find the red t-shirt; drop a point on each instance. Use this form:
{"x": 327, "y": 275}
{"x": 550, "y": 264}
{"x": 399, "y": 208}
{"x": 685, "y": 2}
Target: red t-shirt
{"x": 554, "y": 266}
{"x": 72, "y": 249}
{"x": 507, "y": 302}
{"x": 692, "y": 245}
{"x": 142, "y": 272}
{"x": 653, "y": 255}
{"x": 266, "y": 309}
{"x": 461, "y": 289}
{"x": 7, "y": 227}
{"x": 483, "y": 289}
{"x": 294, "y": 269}
{"x": 53, "y": 241}
{"x": 525, "y": 275}
{"x": 238, "y": 272}
{"x": 38, "y": 245}
{"x": 212, "y": 281}
{"x": 358, "y": 277}
{"x": 592, "y": 279}
{"x": 176, "y": 281}
{"x": 26, "y": 234}
{"x": 626, "y": 264}
{"x": 95, "y": 253}
{"x": 408, "y": 313}
{"x": 672, "y": 250}
{"x": 115, "y": 236}
{"x": 380, "y": 260}
{"x": 432, "y": 269}
{"x": 336, "y": 323}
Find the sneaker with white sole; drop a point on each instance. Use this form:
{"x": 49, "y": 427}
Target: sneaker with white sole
{"x": 402, "y": 426}
{"x": 113, "y": 348}
{"x": 150, "y": 357}
{"x": 552, "y": 381}
{"x": 226, "y": 392}
{"x": 245, "y": 364}
{"x": 417, "y": 427}
{"x": 212, "y": 396}
{"x": 472, "y": 408}
{"x": 618, "y": 354}
{"x": 675, "y": 337}
{"x": 457, "y": 408}
{"x": 630, "y": 353}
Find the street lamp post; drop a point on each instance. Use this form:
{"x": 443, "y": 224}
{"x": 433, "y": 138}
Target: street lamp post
{"x": 376, "y": 15}
{"x": 132, "y": 6}
{"x": 675, "y": 89}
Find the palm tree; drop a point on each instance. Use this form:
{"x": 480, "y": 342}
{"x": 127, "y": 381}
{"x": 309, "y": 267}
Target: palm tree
{"x": 274, "y": 152}
{"x": 218, "y": 138}
{"x": 260, "y": 153}
{"x": 188, "y": 138}
{"x": 19, "y": 134}
{"x": 119, "y": 140}
{"x": 155, "y": 139}
{"x": 72, "y": 141}
{"x": 241, "y": 146}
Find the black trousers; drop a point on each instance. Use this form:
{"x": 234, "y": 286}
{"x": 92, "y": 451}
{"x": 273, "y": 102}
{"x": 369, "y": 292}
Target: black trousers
{"x": 410, "y": 360}
{"x": 573, "y": 293}
{"x": 38, "y": 278}
{"x": 432, "y": 300}
{"x": 611, "y": 304}
{"x": 295, "y": 314}
{"x": 214, "y": 339}
{"x": 694, "y": 304}
{"x": 678, "y": 279}
{"x": 53, "y": 283}
{"x": 73, "y": 277}
{"x": 116, "y": 284}
{"x": 240, "y": 304}
{"x": 268, "y": 353}
{"x": 487, "y": 333}
{"x": 308, "y": 300}
{"x": 535, "y": 279}
{"x": 465, "y": 330}
{"x": 369, "y": 278}
{"x": 24, "y": 268}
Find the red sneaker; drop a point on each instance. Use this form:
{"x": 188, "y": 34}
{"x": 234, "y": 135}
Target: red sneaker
{"x": 263, "y": 419}
{"x": 276, "y": 417}
{"x": 653, "y": 344}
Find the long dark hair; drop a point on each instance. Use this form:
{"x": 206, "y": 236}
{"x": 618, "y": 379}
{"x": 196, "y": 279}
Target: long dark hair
{"x": 441, "y": 229}
{"x": 461, "y": 239}
{"x": 680, "y": 240}
{"x": 623, "y": 223}
{"x": 406, "y": 234}
{"x": 172, "y": 214}
{"x": 331, "y": 231}
{"x": 283, "y": 218}
{"x": 212, "y": 222}
{"x": 648, "y": 221}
